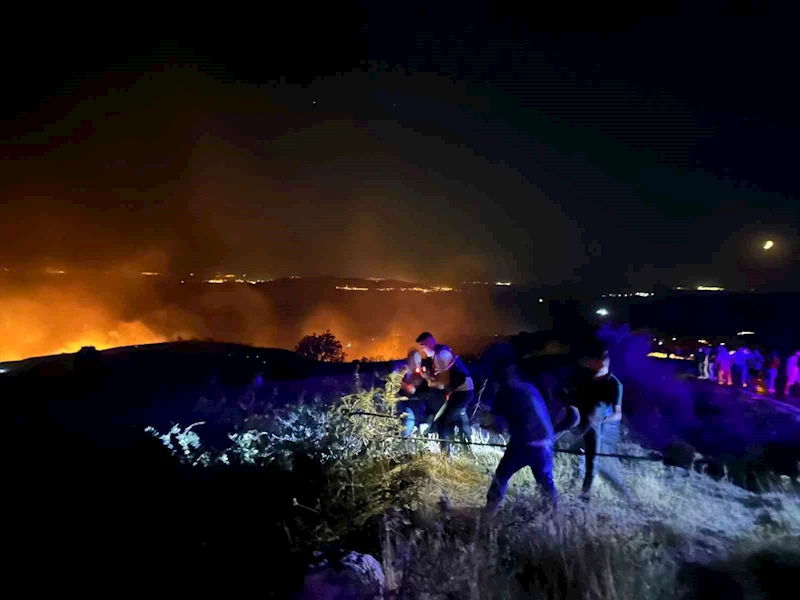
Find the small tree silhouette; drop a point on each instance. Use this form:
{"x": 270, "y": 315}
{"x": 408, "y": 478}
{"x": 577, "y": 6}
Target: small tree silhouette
{"x": 323, "y": 347}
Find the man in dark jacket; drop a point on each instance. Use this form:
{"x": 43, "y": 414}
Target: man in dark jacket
{"x": 522, "y": 408}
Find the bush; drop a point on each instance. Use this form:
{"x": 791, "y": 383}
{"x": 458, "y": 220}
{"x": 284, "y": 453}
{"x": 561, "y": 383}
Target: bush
{"x": 322, "y": 347}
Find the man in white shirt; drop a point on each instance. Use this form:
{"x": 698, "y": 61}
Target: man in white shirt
{"x": 451, "y": 375}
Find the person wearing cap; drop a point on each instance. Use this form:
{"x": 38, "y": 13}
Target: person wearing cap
{"x": 520, "y": 406}
{"x": 598, "y": 397}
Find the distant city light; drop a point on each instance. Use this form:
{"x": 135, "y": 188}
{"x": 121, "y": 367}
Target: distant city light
{"x": 660, "y": 342}
{"x": 436, "y": 288}
{"x": 768, "y": 245}
{"x": 149, "y": 273}
{"x": 2, "y": 371}
{"x": 709, "y": 288}
{"x": 541, "y": 300}
{"x": 643, "y": 294}
{"x": 215, "y": 281}
{"x": 746, "y": 333}
{"x": 702, "y": 341}
{"x": 673, "y": 339}
{"x": 602, "y": 312}
{"x": 503, "y": 283}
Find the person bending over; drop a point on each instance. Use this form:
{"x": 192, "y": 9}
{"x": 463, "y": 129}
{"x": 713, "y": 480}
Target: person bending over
{"x": 413, "y": 390}
{"x": 522, "y": 408}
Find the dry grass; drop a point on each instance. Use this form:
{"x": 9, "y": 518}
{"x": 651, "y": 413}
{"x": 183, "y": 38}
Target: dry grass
{"x": 441, "y": 546}
{"x": 606, "y": 549}
{"x": 436, "y": 543}
{"x": 423, "y": 513}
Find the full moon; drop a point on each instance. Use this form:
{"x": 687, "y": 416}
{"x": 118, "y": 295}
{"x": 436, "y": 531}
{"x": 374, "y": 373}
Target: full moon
{"x": 768, "y": 244}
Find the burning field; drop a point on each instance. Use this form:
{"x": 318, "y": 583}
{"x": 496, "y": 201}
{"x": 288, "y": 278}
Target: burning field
{"x": 57, "y": 312}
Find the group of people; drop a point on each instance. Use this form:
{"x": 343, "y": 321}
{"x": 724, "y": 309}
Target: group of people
{"x": 745, "y": 367}
{"x": 439, "y": 392}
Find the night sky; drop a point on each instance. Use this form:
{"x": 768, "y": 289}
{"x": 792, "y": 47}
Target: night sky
{"x": 424, "y": 145}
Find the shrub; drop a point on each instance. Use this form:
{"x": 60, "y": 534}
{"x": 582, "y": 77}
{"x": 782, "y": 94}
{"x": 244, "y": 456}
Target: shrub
{"x": 323, "y": 347}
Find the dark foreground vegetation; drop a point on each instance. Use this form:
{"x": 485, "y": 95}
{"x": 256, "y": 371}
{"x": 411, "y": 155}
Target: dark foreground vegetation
{"x": 245, "y": 499}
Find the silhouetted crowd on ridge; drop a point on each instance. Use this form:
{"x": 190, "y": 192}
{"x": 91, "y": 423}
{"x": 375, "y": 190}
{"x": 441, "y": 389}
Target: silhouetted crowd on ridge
{"x": 746, "y": 368}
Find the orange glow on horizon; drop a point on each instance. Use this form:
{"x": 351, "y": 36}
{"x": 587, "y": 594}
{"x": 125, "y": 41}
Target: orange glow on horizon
{"x": 28, "y": 334}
